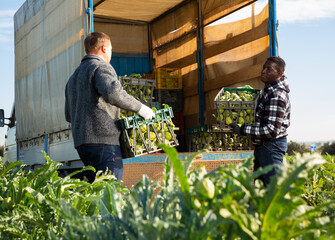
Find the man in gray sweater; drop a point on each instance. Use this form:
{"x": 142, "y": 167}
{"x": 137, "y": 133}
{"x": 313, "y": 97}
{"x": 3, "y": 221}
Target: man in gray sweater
{"x": 93, "y": 98}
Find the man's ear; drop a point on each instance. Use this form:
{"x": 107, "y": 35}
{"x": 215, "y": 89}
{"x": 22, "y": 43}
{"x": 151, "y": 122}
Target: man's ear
{"x": 280, "y": 74}
{"x": 103, "y": 48}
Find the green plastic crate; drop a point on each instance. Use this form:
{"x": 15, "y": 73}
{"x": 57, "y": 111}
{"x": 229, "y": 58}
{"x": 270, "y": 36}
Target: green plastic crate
{"x": 131, "y": 136}
{"x": 136, "y": 121}
{"x": 215, "y": 138}
{"x": 231, "y": 111}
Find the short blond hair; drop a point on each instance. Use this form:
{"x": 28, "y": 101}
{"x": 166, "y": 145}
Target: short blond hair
{"x": 95, "y": 40}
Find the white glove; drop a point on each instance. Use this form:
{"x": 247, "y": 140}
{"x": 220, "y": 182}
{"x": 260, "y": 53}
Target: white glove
{"x": 146, "y": 112}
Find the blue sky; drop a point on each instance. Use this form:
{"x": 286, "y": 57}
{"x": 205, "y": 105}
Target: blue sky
{"x": 306, "y": 41}
{"x": 306, "y": 36}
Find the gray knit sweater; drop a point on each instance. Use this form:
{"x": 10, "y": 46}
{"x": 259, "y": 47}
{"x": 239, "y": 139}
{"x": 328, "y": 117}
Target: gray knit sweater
{"x": 93, "y": 98}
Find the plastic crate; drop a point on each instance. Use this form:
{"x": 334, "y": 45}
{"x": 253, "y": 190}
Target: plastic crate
{"x": 136, "y": 121}
{"x": 168, "y": 78}
{"x": 125, "y": 113}
{"x": 148, "y": 76}
{"x": 171, "y": 97}
{"x": 157, "y": 105}
{"x": 242, "y": 112}
{"x": 136, "y": 129}
{"x": 213, "y": 138}
{"x": 140, "y": 88}
{"x": 200, "y": 129}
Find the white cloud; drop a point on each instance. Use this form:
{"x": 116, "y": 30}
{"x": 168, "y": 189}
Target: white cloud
{"x": 5, "y": 38}
{"x": 7, "y": 13}
{"x": 6, "y": 25}
{"x": 304, "y": 10}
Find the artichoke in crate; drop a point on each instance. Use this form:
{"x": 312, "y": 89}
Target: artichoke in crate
{"x": 231, "y": 115}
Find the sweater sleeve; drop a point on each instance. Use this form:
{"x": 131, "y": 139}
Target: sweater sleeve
{"x": 110, "y": 88}
{"x": 66, "y": 108}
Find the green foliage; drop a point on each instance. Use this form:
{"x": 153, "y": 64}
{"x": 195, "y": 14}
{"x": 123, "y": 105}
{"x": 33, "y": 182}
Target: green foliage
{"x": 30, "y": 206}
{"x": 293, "y": 148}
{"x": 328, "y": 148}
{"x": 190, "y": 203}
{"x": 239, "y": 208}
{"x": 320, "y": 186}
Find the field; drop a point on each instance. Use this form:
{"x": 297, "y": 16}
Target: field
{"x": 190, "y": 204}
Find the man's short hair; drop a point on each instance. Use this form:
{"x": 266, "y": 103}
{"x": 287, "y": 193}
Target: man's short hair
{"x": 95, "y": 40}
{"x": 279, "y": 62}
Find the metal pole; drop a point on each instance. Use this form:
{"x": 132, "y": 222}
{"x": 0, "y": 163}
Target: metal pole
{"x": 200, "y": 60}
{"x": 17, "y": 152}
{"x": 150, "y": 48}
{"x": 273, "y": 25}
{"x": 89, "y": 11}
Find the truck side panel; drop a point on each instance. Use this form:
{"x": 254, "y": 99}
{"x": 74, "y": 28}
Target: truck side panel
{"x": 48, "y": 48}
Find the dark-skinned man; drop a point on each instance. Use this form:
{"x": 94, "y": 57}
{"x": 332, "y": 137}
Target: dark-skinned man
{"x": 272, "y": 118}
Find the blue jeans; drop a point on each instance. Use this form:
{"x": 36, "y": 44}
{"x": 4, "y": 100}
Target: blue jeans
{"x": 101, "y": 157}
{"x": 268, "y": 153}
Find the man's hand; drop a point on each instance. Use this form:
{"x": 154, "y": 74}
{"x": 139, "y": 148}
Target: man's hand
{"x": 146, "y": 112}
{"x": 236, "y": 128}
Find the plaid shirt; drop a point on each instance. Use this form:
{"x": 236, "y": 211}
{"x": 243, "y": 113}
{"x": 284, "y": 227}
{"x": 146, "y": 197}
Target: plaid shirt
{"x": 272, "y": 117}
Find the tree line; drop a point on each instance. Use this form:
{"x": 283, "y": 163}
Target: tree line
{"x": 294, "y": 147}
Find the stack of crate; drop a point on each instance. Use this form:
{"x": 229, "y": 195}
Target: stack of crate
{"x": 233, "y": 105}
{"x": 168, "y": 90}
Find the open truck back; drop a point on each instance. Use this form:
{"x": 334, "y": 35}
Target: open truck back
{"x": 145, "y": 35}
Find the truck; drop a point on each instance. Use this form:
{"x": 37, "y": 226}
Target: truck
{"x": 209, "y": 40}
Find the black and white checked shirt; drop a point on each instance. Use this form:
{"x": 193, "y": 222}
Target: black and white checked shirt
{"x": 272, "y": 117}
